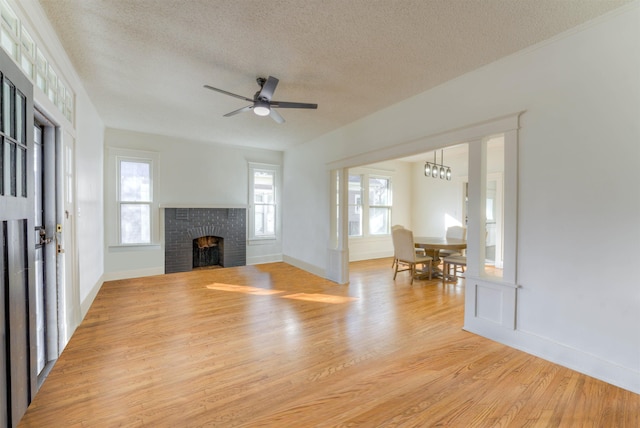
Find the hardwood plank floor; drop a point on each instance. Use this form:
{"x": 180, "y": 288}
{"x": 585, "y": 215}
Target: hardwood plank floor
{"x": 273, "y": 346}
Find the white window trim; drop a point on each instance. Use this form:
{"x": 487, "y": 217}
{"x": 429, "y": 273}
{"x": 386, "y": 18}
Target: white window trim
{"x": 251, "y": 237}
{"x": 112, "y": 203}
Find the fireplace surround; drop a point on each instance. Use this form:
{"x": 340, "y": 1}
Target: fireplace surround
{"x": 223, "y": 230}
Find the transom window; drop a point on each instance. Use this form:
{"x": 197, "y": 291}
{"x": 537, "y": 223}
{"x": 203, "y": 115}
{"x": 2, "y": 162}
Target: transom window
{"x": 23, "y": 50}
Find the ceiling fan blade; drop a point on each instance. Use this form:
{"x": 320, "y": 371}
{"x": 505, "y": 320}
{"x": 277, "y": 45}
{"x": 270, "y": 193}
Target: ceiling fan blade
{"x": 276, "y": 116}
{"x": 285, "y": 104}
{"x": 240, "y": 110}
{"x": 228, "y": 93}
{"x": 268, "y": 88}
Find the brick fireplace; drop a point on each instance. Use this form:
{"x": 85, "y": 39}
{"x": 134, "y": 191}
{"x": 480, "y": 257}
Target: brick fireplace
{"x": 204, "y": 237}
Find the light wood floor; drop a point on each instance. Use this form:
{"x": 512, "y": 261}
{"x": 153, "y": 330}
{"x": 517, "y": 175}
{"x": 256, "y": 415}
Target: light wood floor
{"x": 273, "y": 346}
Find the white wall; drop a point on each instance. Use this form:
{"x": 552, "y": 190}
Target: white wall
{"x": 89, "y": 197}
{"x": 438, "y": 203}
{"x": 192, "y": 174}
{"x": 578, "y": 231}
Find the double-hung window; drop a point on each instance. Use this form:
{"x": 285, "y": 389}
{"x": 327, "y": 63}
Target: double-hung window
{"x": 133, "y": 212}
{"x": 134, "y": 200}
{"x": 263, "y": 201}
{"x": 379, "y": 205}
{"x": 369, "y": 205}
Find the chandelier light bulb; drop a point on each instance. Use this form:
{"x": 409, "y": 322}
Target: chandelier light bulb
{"x": 437, "y": 170}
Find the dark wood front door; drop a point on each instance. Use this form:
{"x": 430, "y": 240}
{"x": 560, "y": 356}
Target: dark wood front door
{"x": 17, "y": 310}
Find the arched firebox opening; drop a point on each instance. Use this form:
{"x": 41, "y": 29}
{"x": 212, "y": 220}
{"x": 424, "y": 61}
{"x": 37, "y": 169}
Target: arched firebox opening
{"x": 208, "y": 252}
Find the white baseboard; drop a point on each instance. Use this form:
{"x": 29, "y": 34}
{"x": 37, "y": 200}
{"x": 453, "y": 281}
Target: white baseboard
{"x": 135, "y": 273}
{"x": 269, "y": 258}
{"x": 88, "y": 301}
{"x": 566, "y": 356}
{"x": 369, "y": 255}
{"x": 316, "y": 270}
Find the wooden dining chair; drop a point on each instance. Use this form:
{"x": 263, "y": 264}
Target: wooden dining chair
{"x": 395, "y": 259}
{"x": 455, "y": 232}
{"x": 405, "y": 252}
{"x": 454, "y": 262}
{"x": 419, "y": 251}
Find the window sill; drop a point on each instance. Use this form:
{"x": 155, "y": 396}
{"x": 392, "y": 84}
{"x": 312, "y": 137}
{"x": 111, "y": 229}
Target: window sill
{"x": 262, "y": 241}
{"x": 133, "y": 247}
{"x": 371, "y": 237}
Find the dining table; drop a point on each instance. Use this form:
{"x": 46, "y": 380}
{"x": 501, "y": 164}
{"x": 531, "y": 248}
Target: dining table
{"x": 433, "y": 245}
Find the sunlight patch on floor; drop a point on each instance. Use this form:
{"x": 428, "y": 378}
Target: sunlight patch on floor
{"x": 242, "y": 289}
{"x": 322, "y": 298}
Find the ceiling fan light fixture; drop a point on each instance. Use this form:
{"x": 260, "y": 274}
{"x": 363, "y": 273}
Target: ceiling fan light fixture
{"x": 261, "y": 108}
{"x": 261, "y": 102}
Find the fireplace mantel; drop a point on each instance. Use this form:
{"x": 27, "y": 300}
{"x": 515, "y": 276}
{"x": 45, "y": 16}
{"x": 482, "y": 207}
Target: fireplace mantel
{"x": 223, "y": 206}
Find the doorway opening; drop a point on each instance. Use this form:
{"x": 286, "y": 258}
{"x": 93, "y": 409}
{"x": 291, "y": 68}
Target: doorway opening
{"x": 477, "y": 136}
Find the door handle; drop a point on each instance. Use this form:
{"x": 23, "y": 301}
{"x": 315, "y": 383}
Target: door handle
{"x": 43, "y": 237}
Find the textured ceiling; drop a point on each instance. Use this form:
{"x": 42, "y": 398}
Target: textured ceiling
{"x": 144, "y": 62}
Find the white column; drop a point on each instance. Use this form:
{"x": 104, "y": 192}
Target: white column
{"x": 338, "y": 251}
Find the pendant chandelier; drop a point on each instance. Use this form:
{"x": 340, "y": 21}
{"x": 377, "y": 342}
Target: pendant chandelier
{"x": 435, "y": 170}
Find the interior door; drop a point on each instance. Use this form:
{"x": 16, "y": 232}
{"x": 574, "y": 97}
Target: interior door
{"x": 17, "y": 278}
{"x": 40, "y": 241}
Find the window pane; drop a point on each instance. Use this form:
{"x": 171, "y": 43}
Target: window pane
{"x": 20, "y": 114}
{"x": 9, "y": 44}
{"x": 355, "y": 205}
{"x": 21, "y": 171}
{"x": 28, "y": 46}
{"x": 52, "y": 84}
{"x": 379, "y": 191}
{"x": 355, "y": 189}
{"x": 265, "y": 220}
{"x": 7, "y": 107}
{"x": 135, "y": 224}
{"x": 379, "y": 221}
{"x": 135, "y": 181}
{"x": 41, "y": 72}
{"x": 37, "y": 173}
{"x": 264, "y": 187}
{"x": 10, "y": 19}
{"x": 355, "y": 221}
{"x": 3, "y": 167}
{"x": 13, "y": 184}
